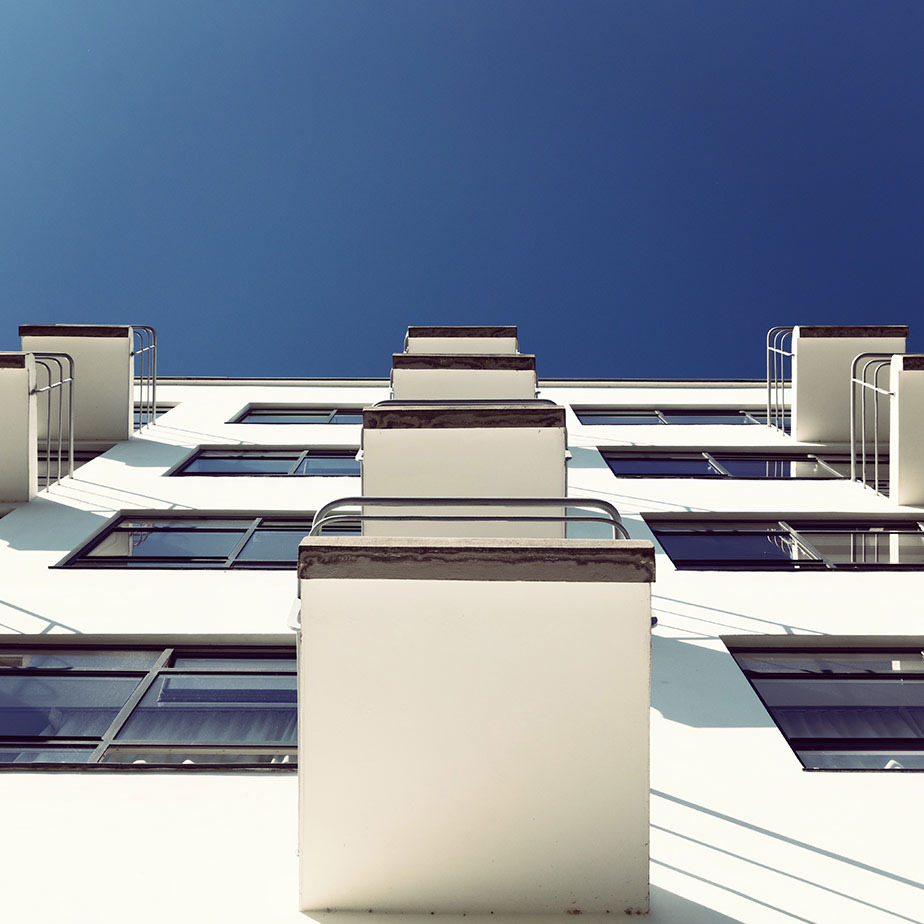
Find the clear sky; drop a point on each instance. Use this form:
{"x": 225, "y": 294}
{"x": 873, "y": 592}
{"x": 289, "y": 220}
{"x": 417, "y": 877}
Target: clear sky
{"x": 281, "y": 186}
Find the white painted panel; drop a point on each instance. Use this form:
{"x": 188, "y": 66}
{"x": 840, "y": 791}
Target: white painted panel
{"x": 462, "y": 345}
{"x": 18, "y": 445}
{"x": 103, "y": 386}
{"x": 465, "y": 462}
{"x": 455, "y": 384}
{"x": 906, "y": 452}
{"x": 821, "y": 382}
{"x": 474, "y": 746}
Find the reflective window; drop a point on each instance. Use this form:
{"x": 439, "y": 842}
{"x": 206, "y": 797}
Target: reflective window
{"x": 707, "y": 416}
{"x": 217, "y": 706}
{"x": 286, "y": 414}
{"x": 843, "y": 709}
{"x": 143, "y": 414}
{"x": 654, "y": 464}
{"x": 792, "y": 545}
{"x": 201, "y": 542}
{"x": 252, "y": 461}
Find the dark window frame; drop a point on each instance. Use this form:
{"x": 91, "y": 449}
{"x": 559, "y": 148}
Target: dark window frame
{"x": 282, "y": 755}
{"x": 256, "y": 411}
{"x": 737, "y": 416}
{"x": 745, "y": 650}
{"x": 714, "y": 458}
{"x": 247, "y": 525}
{"x": 794, "y": 532}
{"x": 298, "y": 454}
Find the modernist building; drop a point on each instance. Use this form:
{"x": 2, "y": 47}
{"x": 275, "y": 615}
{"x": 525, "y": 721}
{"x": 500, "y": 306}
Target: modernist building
{"x": 549, "y": 643}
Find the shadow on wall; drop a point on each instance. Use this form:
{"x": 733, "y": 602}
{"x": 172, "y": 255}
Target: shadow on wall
{"x": 45, "y": 526}
{"x": 702, "y": 687}
{"x": 669, "y": 908}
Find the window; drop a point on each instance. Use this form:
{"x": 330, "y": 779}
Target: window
{"x": 200, "y": 542}
{"x": 725, "y": 464}
{"x": 842, "y": 708}
{"x": 620, "y": 416}
{"x": 791, "y": 545}
{"x": 282, "y": 414}
{"x": 140, "y": 415}
{"x": 147, "y": 706}
{"x": 269, "y": 462}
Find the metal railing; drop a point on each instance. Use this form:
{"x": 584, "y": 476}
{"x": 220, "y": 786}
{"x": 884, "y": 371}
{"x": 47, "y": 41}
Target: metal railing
{"x": 778, "y": 359}
{"x": 326, "y": 518}
{"x": 53, "y": 364}
{"x": 144, "y": 355}
{"x": 865, "y": 390}
{"x": 464, "y": 402}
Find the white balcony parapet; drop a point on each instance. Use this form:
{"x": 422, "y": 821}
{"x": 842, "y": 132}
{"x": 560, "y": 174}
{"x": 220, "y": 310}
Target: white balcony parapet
{"x": 460, "y": 376}
{"x": 906, "y": 432}
{"x": 821, "y": 371}
{"x": 461, "y": 340}
{"x": 19, "y": 428}
{"x": 106, "y": 356}
{"x": 472, "y": 450}
{"x": 474, "y": 715}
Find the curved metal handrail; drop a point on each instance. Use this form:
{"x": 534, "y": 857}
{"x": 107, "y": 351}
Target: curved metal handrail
{"x": 776, "y": 375}
{"x": 325, "y": 514}
{"x": 59, "y": 359}
{"x": 877, "y": 362}
{"x": 146, "y": 348}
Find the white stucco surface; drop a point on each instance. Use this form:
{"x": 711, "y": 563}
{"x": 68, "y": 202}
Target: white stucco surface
{"x": 739, "y": 832}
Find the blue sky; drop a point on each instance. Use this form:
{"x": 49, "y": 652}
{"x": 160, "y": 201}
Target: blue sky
{"x": 281, "y": 188}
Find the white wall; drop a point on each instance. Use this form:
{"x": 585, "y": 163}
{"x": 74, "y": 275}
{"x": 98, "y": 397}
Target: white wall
{"x": 739, "y": 831}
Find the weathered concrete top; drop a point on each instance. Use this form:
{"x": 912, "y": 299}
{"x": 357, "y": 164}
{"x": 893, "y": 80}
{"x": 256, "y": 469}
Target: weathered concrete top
{"x": 508, "y": 331}
{"x": 912, "y": 362}
{"x": 476, "y": 559}
{"x": 148, "y": 640}
{"x": 456, "y": 416}
{"x": 487, "y": 361}
{"x": 833, "y": 330}
{"x": 73, "y": 330}
{"x": 12, "y": 360}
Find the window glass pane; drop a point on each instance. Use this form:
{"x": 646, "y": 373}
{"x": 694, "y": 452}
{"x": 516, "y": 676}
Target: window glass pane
{"x": 215, "y": 708}
{"x": 72, "y": 707}
{"x": 863, "y": 760}
{"x": 287, "y": 415}
{"x": 831, "y": 662}
{"x": 618, "y": 417}
{"x": 62, "y": 659}
{"x": 706, "y": 417}
{"x": 755, "y": 466}
{"x": 724, "y": 547}
{"x": 168, "y": 543}
{"x": 277, "y": 545}
{"x": 317, "y": 464}
{"x": 240, "y": 663}
{"x": 192, "y": 755}
{"x": 660, "y": 467}
{"x": 242, "y": 464}
{"x": 868, "y": 547}
{"x": 348, "y": 417}
{"x": 821, "y": 708}
{"x": 43, "y": 754}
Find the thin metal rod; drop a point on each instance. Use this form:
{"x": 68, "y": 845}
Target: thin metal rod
{"x": 321, "y": 525}
{"x": 576, "y": 502}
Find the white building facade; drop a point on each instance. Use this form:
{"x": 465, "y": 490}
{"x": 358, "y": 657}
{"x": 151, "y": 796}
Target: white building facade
{"x": 473, "y": 695}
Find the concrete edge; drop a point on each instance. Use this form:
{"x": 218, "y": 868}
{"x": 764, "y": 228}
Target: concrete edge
{"x": 834, "y": 330}
{"x": 490, "y": 361}
{"x": 476, "y": 559}
{"x": 508, "y": 330}
{"x": 447, "y": 417}
{"x": 74, "y": 330}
